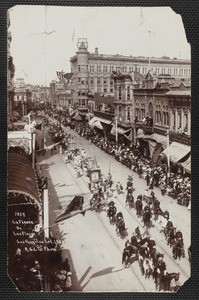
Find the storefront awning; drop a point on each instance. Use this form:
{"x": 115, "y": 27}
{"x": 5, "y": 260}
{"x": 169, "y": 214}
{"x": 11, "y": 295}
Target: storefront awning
{"x": 21, "y": 177}
{"x": 187, "y": 164}
{"x": 96, "y": 122}
{"x": 154, "y": 137}
{"x": 176, "y": 151}
{"x": 120, "y": 130}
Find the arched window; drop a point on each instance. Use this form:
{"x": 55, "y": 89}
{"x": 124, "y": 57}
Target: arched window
{"x": 164, "y": 118}
{"x": 159, "y": 117}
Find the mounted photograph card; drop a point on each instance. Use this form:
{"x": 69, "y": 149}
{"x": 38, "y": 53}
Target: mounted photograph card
{"x": 99, "y": 149}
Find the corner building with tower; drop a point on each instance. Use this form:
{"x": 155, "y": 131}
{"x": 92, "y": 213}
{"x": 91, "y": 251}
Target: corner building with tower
{"x": 92, "y": 71}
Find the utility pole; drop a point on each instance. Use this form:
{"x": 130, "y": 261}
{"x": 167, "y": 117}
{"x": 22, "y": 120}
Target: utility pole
{"x": 168, "y": 159}
{"x": 116, "y": 132}
{"x": 149, "y": 50}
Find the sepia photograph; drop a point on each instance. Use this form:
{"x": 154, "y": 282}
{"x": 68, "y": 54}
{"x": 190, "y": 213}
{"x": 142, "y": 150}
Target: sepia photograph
{"x": 99, "y": 149}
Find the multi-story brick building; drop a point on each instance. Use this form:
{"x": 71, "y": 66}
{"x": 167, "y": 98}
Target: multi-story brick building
{"x": 92, "y": 71}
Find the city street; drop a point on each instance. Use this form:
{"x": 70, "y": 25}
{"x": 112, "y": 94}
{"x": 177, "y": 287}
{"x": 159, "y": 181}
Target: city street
{"x": 99, "y": 149}
{"x": 90, "y": 242}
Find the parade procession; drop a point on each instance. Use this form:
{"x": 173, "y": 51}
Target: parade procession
{"x": 99, "y": 174}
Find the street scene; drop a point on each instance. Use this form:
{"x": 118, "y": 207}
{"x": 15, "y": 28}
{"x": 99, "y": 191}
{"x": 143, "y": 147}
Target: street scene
{"x": 99, "y": 159}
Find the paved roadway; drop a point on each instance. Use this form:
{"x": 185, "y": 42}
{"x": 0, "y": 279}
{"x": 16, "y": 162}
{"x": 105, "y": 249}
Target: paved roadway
{"x": 91, "y": 242}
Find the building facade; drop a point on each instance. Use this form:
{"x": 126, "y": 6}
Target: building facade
{"x": 92, "y": 71}
{"x": 10, "y": 74}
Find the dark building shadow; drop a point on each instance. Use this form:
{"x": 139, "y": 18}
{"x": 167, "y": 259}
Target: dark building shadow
{"x": 102, "y": 272}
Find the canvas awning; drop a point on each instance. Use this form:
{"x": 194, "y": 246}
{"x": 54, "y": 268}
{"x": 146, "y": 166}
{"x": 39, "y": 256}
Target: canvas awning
{"x": 120, "y": 130}
{"x": 21, "y": 177}
{"x": 96, "y": 122}
{"x": 154, "y": 136}
{"x": 187, "y": 164}
{"x": 176, "y": 151}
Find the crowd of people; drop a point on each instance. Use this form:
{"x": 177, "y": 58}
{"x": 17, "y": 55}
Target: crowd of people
{"x": 179, "y": 186}
{"x": 151, "y": 263}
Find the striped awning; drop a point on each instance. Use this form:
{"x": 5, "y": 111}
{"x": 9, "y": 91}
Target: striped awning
{"x": 21, "y": 176}
{"x": 176, "y": 151}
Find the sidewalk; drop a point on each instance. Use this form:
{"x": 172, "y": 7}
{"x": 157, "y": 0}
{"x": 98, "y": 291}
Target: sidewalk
{"x": 62, "y": 187}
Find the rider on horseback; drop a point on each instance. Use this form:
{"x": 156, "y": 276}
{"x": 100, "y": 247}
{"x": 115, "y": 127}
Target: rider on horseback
{"x": 139, "y": 205}
{"x": 111, "y": 212}
{"x": 159, "y": 271}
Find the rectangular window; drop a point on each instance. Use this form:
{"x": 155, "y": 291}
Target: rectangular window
{"x": 105, "y": 82}
{"x": 91, "y": 81}
{"x": 105, "y": 90}
{"x": 98, "y": 81}
{"x": 111, "y": 90}
{"x": 120, "y": 94}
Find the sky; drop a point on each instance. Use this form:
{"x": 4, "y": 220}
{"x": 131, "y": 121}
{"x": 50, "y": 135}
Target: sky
{"x": 113, "y": 30}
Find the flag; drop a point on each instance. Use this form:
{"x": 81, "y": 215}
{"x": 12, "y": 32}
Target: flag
{"x": 106, "y": 127}
{"x": 156, "y": 153}
{"x": 50, "y": 146}
{"x": 75, "y": 207}
{"x": 75, "y": 204}
{"x": 129, "y": 135}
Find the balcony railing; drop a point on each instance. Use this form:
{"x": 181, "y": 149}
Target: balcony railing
{"x": 147, "y": 129}
{"x": 180, "y": 138}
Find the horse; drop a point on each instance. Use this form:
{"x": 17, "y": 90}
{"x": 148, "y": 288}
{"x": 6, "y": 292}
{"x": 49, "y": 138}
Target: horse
{"x": 111, "y": 213}
{"x": 178, "y": 249}
{"x": 155, "y": 255}
{"x": 147, "y": 219}
{"x": 166, "y": 230}
{"x": 129, "y": 201}
{"x": 157, "y": 212}
{"x": 119, "y": 216}
{"x": 120, "y": 228}
{"x": 126, "y": 255}
{"x": 137, "y": 233}
{"x": 171, "y": 236}
{"x": 143, "y": 253}
{"x": 148, "y": 268}
{"x": 165, "y": 281}
{"x": 159, "y": 272}
{"x": 138, "y": 207}
{"x": 96, "y": 201}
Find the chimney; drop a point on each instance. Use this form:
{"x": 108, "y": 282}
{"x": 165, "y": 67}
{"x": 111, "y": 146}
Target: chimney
{"x": 96, "y": 51}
